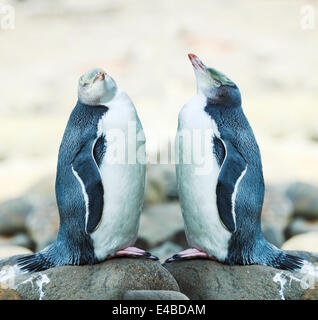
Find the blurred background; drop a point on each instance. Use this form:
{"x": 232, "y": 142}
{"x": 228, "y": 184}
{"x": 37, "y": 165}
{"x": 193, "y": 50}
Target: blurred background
{"x": 268, "y": 47}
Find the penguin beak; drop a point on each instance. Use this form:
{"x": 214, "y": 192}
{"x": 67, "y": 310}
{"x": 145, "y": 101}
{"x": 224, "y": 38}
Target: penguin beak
{"x": 208, "y": 76}
{"x": 198, "y": 65}
{"x": 202, "y": 74}
{"x": 100, "y": 76}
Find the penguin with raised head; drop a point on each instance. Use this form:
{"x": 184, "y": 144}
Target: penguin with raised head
{"x": 222, "y": 196}
{"x": 99, "y": 191}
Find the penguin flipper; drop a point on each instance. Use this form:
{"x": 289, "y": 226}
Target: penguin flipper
{"x": 87, "y": 173}
{"x": 232, "y": 171}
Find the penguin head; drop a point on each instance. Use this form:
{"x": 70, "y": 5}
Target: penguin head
{"x": 96, "y": 87}
{"x": 215, "y": 85}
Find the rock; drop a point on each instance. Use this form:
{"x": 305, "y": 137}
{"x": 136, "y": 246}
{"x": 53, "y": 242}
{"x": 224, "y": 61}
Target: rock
{"x": 180, "y": 239}
{"x": 8, "y": 294}
{"x": 20, "y": 239}
{"x": 23, "y": 240}
{"x": 155, "y": 192}
{"x": 305, "y": 199}
{"x": 306, "y": 255}
{"x": 300, "y": 225}
{"x": 161, "y": 184}
{"x": 306, "y": 242}
{"x": 5, "y": 240}
{"x": 142, "y": 244}
{"x": 311, "y": 293}
{"x": 11, "y": 250}
{"x": 9, "y": 261}
{"x": 166, "y": 250}
{"x": 13, "y": 214}
{"x": 108, "y": 280}
{"x": 45, "y": 187}
{"x": 277, "y": 210}
{"x": 159, "y": 222}
{"x": 42, "y": 223}
{"x": 206, "y": 279}
{"x": 154, "y": 295}
{"x": 35, "y": 212}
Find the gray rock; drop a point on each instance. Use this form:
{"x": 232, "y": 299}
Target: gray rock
{"x": 304, "y": 241}
{"x": 10, "y": 261}
{"x": 42, "y": 223}
{"x": 161, "y": 184}
{"x": 13, "y": 214}
{"x": 142, "y": 244}
{"x": 166, "y": 250}
{"x": 206, "y": 279}
{"x": 8, "y": 294}
{"x": 33, "y": 220}
{"x": 160, "y": 222}
{"x": 154, "y": 295}
{"x": 109, "y": 280}
{"x": 306, "y": 255}
{"x": 5, "y": 240}
{"x": 11, "y": 250}
{"x": 277, "y": 210}
{"x": 20, "y": 239}
{"x": 300, "y": 225}
{"x": 305, "y": 199}
{"x": 180, "y": 239}
{"x": 45, "y": 187}
{"x": 311, "y": 293}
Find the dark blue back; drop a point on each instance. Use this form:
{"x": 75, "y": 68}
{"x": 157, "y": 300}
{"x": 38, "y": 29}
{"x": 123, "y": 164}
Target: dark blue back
{"x": 234, "y": 126}
{"x": 80, "y": 130}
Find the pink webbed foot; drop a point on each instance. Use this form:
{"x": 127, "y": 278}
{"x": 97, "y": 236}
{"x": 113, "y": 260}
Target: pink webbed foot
{"x": 189, "y": 254}
{"x": 134, "y": 252}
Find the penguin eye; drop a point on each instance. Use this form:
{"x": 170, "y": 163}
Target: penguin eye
{"x": 217, "y": 82}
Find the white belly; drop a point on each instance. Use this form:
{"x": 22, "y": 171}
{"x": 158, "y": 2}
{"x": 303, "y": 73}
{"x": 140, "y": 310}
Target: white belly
{"x": 123, "y": 180}
{"x": 197, "y": 180}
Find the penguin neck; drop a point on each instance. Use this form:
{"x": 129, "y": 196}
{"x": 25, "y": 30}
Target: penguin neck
{"x": 223, "y": 114}
{"x": 199, "y": 100}
{"x": 217, "y": 104}
{"x": 120, "y": 96}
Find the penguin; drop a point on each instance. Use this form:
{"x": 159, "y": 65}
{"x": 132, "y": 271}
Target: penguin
{"x": 221, "y": 197}
{"x": 99, "y": 192}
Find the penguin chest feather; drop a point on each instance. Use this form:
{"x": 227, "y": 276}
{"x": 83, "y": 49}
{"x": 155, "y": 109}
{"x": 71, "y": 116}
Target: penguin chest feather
{"x": 123, "y": 178}
{"x": 198, "y": 178}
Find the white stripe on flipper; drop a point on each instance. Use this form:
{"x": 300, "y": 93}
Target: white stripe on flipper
{"x": 92, "y": 152}
{"x": 85, "y": 195}
{"x": 225, "y": 151}
{"x": 234, "y": 194}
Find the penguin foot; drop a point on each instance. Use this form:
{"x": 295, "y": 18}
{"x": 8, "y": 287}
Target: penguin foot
{"x": 189, "y": 254}
{"x": 134, "y": 252}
